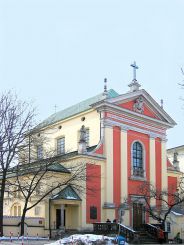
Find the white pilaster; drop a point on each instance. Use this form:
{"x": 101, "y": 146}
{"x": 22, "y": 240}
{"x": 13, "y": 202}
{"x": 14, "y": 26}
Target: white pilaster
{"x": 109, "y": 164}
{"x": 164, "y": 165}
{"x": 152, "y": 166}
{"x": 124, "y": 167}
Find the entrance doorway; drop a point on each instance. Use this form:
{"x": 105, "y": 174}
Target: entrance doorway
{"x": 58, "y": 218}
{"x": 138, "y": 215}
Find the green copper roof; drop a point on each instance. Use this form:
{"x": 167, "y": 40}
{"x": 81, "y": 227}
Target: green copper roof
{"x": 57, "y": 167}
{"x": 76, "y": 109}
{"x": 67, "y": 193}
{"x": 35, "y": 167}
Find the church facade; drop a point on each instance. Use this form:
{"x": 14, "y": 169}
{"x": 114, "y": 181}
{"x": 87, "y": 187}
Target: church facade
{"x": 124, "y": 137}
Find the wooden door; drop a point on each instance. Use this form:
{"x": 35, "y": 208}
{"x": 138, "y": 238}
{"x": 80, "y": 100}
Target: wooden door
{"x": 138, "y": 216}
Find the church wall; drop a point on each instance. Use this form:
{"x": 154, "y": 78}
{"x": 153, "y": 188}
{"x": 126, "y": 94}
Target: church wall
{"x": 172, "y": 187}
{"x": 116, "y": 167}
{"x": 93, "y": 195}
{"x": 147, "y": 111}
{"x": 109, "y": 164}
{"x": 158, "y": 154}
{"x": 164, "y": 166}
{"x": 133, "y": 184}
{"x": 124, "y": 167}
{"x": 70, "y": 130}
{"x": 152, "y": 166}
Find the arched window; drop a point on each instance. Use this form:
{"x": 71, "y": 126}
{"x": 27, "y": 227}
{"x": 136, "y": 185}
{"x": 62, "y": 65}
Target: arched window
{"x": 16, "y": 210}
{"x": 137, "y": 158}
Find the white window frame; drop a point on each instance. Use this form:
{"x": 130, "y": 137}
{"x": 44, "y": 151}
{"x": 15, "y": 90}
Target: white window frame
{"x": 143, "y": 161}
{"x": 87, "y": 137}
{"x": 37, "y": 210}
{"x": 60, "y": 146}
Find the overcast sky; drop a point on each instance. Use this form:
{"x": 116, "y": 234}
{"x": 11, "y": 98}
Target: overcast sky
{"x": 57, "y": 52}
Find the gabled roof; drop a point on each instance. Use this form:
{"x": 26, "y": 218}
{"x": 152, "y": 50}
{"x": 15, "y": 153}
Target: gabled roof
{"x": 76, "y": 109}
{"x": 36, "y": 167}
{"x": 68, "y": 193}
{"x": 163, "y": 117}
{"x": 53, "y": 164}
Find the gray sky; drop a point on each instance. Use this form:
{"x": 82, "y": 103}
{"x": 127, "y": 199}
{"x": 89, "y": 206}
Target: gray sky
{"x": 59, "y": 51}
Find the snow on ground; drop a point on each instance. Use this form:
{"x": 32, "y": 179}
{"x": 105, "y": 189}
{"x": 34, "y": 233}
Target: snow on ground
{"x": 85, "y": 239}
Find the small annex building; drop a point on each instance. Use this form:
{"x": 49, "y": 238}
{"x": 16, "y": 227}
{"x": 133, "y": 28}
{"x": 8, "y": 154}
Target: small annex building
{"x": 125, "y": 140}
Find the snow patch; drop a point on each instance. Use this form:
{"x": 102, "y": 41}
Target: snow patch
{"x": 86, "y": 239}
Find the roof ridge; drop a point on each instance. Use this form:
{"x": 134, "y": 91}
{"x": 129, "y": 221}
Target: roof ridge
{"x": 76, "y": 108}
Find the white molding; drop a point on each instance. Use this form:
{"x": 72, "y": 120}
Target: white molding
{"x": 108, "y": 104}
{"x": 135, "y": 123}
{"x": 110, "y": 123}
{"x": 145, "y": 94}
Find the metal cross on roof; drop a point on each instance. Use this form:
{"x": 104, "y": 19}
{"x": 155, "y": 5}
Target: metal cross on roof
{"x": 135, "y": 67}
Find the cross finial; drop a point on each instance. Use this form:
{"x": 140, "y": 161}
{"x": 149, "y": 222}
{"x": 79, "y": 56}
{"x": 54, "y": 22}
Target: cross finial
{"x": 134, "y": 85}
{"x": 135, "y": 67}
{"x": 105, "y": 87}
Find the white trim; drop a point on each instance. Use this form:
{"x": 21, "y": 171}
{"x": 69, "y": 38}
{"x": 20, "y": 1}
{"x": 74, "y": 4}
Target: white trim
{"x": 133, "y": 122}
{"x": 100, "y": 143}
{"x": 142, "y": 92}
{"x": 104, "y": 106}
{"x": 110, "y": 123}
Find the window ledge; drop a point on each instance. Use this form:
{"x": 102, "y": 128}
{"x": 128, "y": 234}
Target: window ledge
{"x": 137, "y": 178}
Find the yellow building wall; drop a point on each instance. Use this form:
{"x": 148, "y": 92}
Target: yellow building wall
{"x": 180, "y": 151}
{"x": 70, "y": 130}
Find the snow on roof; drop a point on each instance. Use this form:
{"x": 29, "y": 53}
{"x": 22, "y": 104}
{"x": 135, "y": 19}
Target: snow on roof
{"x": 177, "y": 214}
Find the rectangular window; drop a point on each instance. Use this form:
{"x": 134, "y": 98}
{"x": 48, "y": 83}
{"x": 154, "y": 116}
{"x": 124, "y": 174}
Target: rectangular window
{"x": 87, "y": 137}
{"x": 168, "y": 227}
{"x": 39, "y": 152}
{"x": 37, "y": 210}
{"x": 61, "y": 146}
{"x": 93, "y": 212}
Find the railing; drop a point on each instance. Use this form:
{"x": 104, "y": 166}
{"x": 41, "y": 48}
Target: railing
{"x": 127, "y": 232}
{"x": 105, "y": 228}
{"x": 151, "y": 229}
{"x": 113, "y": 228}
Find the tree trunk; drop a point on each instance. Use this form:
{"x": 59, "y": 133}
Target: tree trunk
{"x": 2, "y": 190}
{"x": 23, "y": 219}
{"x": 1, "y": 216}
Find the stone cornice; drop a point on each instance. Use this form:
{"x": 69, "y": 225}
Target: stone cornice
{"x": 124, "y": 127}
